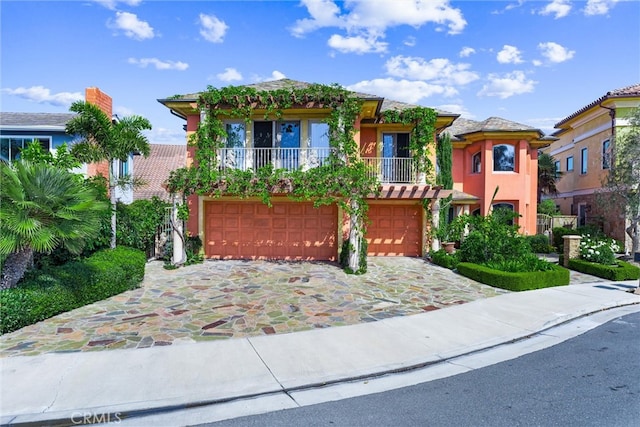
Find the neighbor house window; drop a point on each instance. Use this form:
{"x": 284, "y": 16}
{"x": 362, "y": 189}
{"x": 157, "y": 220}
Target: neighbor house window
{"x": 569, "y": 163}
{"x": 584, "y": 158}
{"x": 10, "y": 146}
{"x": 606, "y": 154}
{"x": 557, "y": 165}
{"x": 504, "y": 158}
{"x": 476, "y": 163}
{"x": 123, "y": 168}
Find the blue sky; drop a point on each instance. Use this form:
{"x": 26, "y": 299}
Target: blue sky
{"x": 533, "y": 62}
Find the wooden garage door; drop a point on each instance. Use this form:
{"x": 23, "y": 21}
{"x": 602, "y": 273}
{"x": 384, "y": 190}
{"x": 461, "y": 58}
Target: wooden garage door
{"x": 394, "y": 230}
{"x": 252, "y": 230}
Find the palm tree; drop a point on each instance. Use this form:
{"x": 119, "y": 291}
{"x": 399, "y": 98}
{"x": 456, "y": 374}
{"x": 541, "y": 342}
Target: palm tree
{"x": 42, "y": 208}
{"x": 100, "y": 139}
{"x": 548, "y": 175}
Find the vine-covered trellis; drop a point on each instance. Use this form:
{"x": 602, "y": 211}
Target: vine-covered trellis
{"x": 343, "y": 179}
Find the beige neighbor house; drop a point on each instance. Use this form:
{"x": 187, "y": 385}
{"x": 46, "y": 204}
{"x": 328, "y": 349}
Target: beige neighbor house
{"x": 583, "y": 155}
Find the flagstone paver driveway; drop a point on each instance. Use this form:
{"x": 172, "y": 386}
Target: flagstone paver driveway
{"x": 229, "y": 299}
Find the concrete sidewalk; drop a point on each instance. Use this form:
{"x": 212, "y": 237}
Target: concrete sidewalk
{"x": 69, "y": 388}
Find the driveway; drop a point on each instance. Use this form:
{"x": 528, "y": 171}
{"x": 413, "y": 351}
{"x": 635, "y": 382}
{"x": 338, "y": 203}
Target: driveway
{"x": 229, "y": 299}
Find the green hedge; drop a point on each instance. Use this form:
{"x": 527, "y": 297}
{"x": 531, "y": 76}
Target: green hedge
{"x": 45, "y": 293}
{"x": 557, "y": 276}
{"x": 443, "y": 259}
{"x": 624, "y": 271}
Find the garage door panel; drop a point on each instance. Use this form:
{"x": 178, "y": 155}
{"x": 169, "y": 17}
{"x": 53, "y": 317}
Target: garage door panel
{"x": 252, "y": 230}
{"x": 395, "y": 230}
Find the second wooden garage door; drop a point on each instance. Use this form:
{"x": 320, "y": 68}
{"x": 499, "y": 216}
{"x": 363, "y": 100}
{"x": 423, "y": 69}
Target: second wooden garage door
{"x": 394, "y": 230}
{"x": 252, "y": 230}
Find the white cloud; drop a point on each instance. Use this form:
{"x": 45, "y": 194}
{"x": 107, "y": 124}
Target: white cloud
{"x": 559, "y": 8}
{"x": 356, "y": 44}
{"x": 229, "y": 75}
{"x": 599, "y": 7}
{"x": 132, "y": 26}
{"x": 402, "y": 90}
{"x": 456, "y": 109}
{"x": 466, "y": 52}
{"x": 555, "y": 52}
{"x": 410, "y": 41}
{"x": 160, "y": 65}
{"x": 507, "y": 85}
{"x": 213, "y": 29}
{"x": 42, "y": 95}
{"x": 275, "y": 75}
{"x": 509, "y": 55}
{"x": 112, "y": 4}
{"x": 545, "y": 124}
{"x": 365, "y": 22}
{"x": 537, "y": 62}
{"x": 438, "y": 70}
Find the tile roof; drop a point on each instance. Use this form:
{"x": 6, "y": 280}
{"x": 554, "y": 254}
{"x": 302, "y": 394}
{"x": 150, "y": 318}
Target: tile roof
{"x": 35, "y": 119}
{"x": 462, "y": 126}
{"x": 155, "y": 169}
{"x": 625, "y": 92}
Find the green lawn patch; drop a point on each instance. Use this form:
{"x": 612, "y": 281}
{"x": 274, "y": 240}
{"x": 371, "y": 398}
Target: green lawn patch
{"x": 556, "y": 276}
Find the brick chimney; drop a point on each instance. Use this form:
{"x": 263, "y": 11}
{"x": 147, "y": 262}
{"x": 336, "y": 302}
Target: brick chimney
{"x": 95, "y": 96}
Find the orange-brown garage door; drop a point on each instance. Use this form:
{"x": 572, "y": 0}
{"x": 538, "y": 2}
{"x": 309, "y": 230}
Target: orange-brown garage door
{"x": 394, "y": 230}
{"x": 287, "y": 230}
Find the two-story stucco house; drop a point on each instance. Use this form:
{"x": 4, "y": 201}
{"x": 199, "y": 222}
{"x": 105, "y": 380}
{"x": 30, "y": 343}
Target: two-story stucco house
{"x": 232, "y": 227}
{"x": 583, "y": 155}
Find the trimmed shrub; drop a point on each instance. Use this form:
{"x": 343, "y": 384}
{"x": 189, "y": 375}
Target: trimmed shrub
{"x": 443, "y": 259}
{"x": 539, "y": 243}
{"x": 523, "y": 281}
{"x": 622, "y": 271}
{"x": 558, "y": 234}
{"x": 46, "y": 293}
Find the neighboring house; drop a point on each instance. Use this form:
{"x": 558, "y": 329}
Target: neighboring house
{"x": 583, "y": 155}
{"x": 154, "y": 170}
{"x": 496, "y": 156}
{"x": 17, "y": 130}
{"x": 231, "y": 227}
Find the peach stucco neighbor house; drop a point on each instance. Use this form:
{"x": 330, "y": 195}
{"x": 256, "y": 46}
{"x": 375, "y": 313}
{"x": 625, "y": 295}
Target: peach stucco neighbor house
{"x": 247, "y": 229}
{"x": 583, "y": 155}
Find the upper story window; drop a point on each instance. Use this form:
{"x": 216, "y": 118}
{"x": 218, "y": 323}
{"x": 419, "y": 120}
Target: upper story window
{"x": 318, "y": 142}
{"x": 569, "y": 163}
{"x": 557, "y": 165}
{"x": 504, "y": 158}
{"x": 606, "y": 154}
{"x": 584, "y": 159}
{"x": 10, "y": 146}
{"x": 476, "y": 163}
{"x": 395, "y": 145}
{"x": 235, "y": 135}
{"x": 123, "y": 168}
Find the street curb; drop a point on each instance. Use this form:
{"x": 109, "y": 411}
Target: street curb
{"x": 100, "y": 415}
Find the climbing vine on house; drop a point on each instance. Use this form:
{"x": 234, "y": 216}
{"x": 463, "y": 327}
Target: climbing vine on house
{"x": 343, "y": 179}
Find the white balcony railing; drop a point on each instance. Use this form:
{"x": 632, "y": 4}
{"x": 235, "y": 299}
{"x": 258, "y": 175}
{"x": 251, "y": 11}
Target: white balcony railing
{"x": 386, "y": 170}
{"x": 397, "y": 170}
{"x": 280, "y": 158}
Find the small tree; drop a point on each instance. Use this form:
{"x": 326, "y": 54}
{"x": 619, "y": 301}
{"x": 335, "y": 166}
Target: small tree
{"x": 622, "y": 183}
{"x": 42, "y": 208}
{"x": 102, "y": 139}
{"x": 548, "y": 175}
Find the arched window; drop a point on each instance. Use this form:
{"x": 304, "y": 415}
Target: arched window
{"x": 504, "y": 206}
{"x": 504, "y": 157}
{"x": 476, "y": 163}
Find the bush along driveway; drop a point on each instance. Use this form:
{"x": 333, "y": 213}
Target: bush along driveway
{"x": 230, "y": 299}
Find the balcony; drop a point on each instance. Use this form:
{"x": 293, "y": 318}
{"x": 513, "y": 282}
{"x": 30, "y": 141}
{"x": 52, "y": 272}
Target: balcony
{"x": 394, "y": 170}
